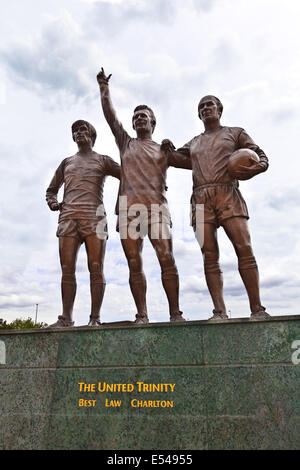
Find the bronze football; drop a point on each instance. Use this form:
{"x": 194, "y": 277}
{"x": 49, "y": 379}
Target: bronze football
{"x": 240, "y": 158}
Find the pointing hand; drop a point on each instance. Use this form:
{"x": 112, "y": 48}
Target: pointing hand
{"x": 102, "y": 78}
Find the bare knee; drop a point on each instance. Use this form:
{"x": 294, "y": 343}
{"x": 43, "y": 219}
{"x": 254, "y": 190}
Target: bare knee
{"x": 243, "y": 250}
{"x": 95, "y": 267}
{"x": 68, "y": 269}
{"x": 211, "y": 261}
{"x": 166, "y": 259}
{"x": 134, "y": 262}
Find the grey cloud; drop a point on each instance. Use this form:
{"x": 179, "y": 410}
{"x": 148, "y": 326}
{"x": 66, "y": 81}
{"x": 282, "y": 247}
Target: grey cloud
{"x": 24, "y": 216}
{"x": 226, "y": 56}
{"x": 282, "y": 110}
{"x": 194, "y": 285}
{"x": 184, "y": 249}
{"x": 51, "y": 61}
{"x": 229, "y": 266}
{"x": 293, "y": 284}
{"x": 192, "y": 289}
{"x": 116, "y": 281}
{"x": 56, "y": 65}
{"x": 19, "y": 304}
{"x": 235, "y": 291}
{"x": 10, "y": 276}
{"x": 279, "y": 116}
{"x": 273, "y": 282}
{"x": 22, "y": 300}
{"x": 290, "y": 198}
{"x": 116, "y": 17}
{"x": 203, "y": 5}
{"x": 159, "y": 89}
{"x": 121, "y": 262}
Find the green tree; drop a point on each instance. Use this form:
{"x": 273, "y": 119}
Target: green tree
{"x": 20, "y": 324}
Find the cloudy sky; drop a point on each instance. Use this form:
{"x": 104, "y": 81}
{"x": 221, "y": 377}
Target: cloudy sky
{"x": 167, "y": 54}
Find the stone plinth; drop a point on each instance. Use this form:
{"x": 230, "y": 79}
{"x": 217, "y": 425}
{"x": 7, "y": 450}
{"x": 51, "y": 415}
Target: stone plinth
{"x": 236, "y": 386}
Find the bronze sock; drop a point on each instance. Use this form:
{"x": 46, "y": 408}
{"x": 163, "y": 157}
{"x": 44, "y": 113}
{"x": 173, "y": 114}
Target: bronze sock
{"x": 214, "y": 281}
{"x": 250, "y": 276}
{"x": 68, "y": 291}
{"x": 170, "y": 282}
{"x": 138, "y": 286}
{"x": 97, "y": 287}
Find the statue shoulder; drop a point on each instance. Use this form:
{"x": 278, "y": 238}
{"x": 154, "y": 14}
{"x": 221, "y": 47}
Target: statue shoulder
{"x": 194, "y": 139}
{"x": 65, "y": 161}
{"x": 234, "y": 129}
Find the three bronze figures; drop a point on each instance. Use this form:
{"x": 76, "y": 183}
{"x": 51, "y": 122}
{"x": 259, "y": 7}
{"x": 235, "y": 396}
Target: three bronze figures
{"x": 218, "y": 158}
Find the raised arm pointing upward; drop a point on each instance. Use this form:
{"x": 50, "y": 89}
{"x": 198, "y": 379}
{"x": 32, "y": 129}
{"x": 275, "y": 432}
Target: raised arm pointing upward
{"x": 143, "y": 182}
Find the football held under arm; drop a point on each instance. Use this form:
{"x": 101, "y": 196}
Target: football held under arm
{"x": 245, "y": 141}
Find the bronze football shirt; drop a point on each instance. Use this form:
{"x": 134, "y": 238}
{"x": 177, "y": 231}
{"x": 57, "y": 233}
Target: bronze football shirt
{"x": 210, "y": 151}
{"x": 84, "y": 178}
{"x": 143, "y": 164}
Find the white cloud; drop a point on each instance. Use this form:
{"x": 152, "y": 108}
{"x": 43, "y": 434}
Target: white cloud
{"x": 52, "y": 63}
{"x": 166, "y": 54}
{"x": 2, "y": 91}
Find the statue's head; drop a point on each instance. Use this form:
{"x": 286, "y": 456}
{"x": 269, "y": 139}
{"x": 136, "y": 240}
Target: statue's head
{"x": 212, "y": 102}
{"x": 81, "y": 124}
{"x": 143, "y": 117}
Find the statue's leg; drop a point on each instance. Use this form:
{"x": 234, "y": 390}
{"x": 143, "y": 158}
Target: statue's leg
{"x": 238, "y": 232}
{"x": 169, "y": 274}
{"x": 68, "y": 250}
{"x": 95, "y": 249}
{"x": 137, "y": 281}
{"x": 213, "y": 274}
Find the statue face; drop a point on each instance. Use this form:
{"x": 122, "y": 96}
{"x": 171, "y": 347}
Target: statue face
{"x": 208, "y": 110}
{"x": 82, "y": 135}
{"x": 142, "y": 120}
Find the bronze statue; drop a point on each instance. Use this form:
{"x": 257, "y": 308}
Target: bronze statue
{"x": 82, "y": 218}
{"x": 217, "y": 190}
{"x": 143, "y": 184}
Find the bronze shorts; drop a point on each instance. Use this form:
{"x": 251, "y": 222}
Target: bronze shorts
{"x": 221, "y": 201}
{"x": 82, "y": 228}
{"x": 145, "y": 222}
